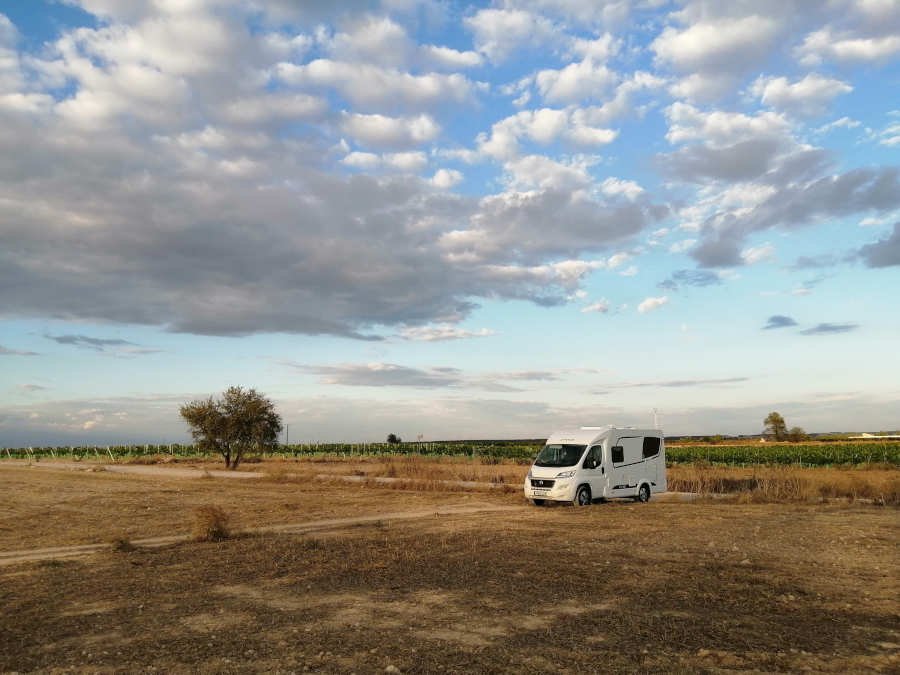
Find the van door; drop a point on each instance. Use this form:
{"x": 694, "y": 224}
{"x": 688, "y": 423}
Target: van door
{"x": 593, "y": 472}
{"x": 653, "y": 461}
{"x": 627, "y": 465}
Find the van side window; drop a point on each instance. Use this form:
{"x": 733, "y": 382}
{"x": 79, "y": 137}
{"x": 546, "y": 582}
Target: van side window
{"x": 594, "y": 457}
{"x": 651, "y": 446}
{"x": 618, "y": 454}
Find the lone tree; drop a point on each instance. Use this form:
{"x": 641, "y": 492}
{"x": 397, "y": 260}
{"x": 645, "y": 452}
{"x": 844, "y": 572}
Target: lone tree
{"x": 241, "y": 420}
{"x": 394, "y": 438}
{"x": 776, "y": 427}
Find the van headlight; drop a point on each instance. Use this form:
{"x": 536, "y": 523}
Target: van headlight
{"x": 566, "y": 474}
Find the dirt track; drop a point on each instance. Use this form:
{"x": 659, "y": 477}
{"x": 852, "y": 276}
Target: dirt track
{"x": 332, "y": 524}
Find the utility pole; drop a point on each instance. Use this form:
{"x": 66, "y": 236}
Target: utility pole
{"x": 655, "y": 419}
{"x": 287, "y": 434}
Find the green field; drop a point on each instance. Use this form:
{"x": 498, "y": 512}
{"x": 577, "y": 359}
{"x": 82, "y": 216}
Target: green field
{"x": 803, "y": 454}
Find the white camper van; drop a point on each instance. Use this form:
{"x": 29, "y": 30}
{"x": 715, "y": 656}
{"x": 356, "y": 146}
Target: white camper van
{"x": 591, "y": 463}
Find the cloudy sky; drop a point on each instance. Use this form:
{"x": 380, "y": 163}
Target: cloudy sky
{"x": 449, "y": 220}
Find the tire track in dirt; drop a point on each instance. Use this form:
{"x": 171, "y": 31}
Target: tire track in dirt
{"x": 57, "y": 553}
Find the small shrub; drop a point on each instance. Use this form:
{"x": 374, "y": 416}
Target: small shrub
{"x": 210, "y": 524}
{"x": 122, "y": 545}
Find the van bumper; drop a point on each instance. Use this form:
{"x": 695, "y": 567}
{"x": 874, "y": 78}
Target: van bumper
{"x": 562, "y": 491}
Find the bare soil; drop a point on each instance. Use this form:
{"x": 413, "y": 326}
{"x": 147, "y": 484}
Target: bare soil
{"x": 618, "y": 587}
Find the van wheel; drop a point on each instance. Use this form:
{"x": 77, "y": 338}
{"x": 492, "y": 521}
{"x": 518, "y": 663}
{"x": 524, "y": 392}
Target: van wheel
{"x": 537, "y": 502}
{"x": 583, "y": 496}
{"x": 643, "y": 494}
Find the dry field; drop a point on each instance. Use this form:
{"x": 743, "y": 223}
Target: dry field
{"x": 620, "y": 587}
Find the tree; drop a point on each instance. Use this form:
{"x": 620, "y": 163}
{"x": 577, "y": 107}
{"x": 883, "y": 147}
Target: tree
{"x": 394, "y": 438}
{"x": 241, "y": 420}
{"x": 775, "y": 426}
{"x": 796, "y": 434}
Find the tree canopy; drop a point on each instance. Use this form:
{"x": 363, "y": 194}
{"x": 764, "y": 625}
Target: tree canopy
{"x": 240, "y": 421}
{"x": 776, "y": 427}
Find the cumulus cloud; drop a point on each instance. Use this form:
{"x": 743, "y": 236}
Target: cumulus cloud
{"x": 779, "y": 321}
{"x": 713, "y": 51}
{"x": 828, "y": 45}
{"x": 885, "y": 252}
{"x": 542, "y": 126}
{"x": 446, "y": 178}
{"x": 809, "y": 96}
{"x": 650, "y": 304}
{"x": 498, "y": 33}
{"x": 381, "y": 131}
{"x": 378, "y": 86}
{"x": 578, "y": 81}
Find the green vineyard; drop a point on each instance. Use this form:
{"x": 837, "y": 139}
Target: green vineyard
{"x": 803, "y": 454}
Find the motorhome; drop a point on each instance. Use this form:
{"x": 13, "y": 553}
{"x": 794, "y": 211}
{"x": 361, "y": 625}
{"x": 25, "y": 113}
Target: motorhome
{"x": 583, "y": 465}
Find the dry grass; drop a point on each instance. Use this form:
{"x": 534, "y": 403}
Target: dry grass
{"x": 654, "y": 588}
{"x": 211, "y": 523}
{"x": 789, "y": 484}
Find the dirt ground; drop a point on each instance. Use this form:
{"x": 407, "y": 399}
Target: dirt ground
{"x": 618, "y": 587}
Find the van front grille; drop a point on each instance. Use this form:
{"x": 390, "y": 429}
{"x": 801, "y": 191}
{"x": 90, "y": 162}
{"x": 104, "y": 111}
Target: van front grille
{"x": 542, "y": 482}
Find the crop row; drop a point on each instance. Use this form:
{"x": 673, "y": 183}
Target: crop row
{"x": 807, "y": 454}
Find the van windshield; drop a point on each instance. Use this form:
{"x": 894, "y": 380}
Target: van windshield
{"x": 559, "y": 455}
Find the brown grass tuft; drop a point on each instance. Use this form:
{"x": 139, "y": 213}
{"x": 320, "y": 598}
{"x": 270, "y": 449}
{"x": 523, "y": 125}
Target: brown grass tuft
{"x": 210, "y": 524}
{"x": 122, "y": 545}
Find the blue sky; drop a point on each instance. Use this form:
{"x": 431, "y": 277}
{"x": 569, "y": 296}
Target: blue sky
{"x": 448, "y": 220}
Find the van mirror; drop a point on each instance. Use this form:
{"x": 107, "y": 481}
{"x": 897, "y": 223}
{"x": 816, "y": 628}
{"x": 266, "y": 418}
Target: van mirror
{"x": 618, "y": 454}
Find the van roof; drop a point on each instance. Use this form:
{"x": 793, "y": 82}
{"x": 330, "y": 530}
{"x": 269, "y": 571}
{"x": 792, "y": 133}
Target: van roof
{"x": 586, "y": 435}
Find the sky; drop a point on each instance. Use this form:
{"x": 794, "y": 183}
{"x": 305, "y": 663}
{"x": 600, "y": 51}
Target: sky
{"x": 447, "y": 220}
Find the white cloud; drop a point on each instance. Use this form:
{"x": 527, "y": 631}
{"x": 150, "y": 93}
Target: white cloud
{"x": 259, "y": 109}
{"x": 720, "y": 128}
{"x": 809, "y": 96}
{"x": 446, "y": 178}
{"x": 390, "y": 132}
{"x": 498, "y": 33}
{"x": 368, "y": 84}
{"x": 600, "y": 307}
{"x": 579, "y": 81}
{"x": 542, "y": 126}
{"x": 713, "y": 51}
{"x": 650, "y": 304}
{"x": 890, "y": 135}
{"x": 715, "y": 43}
{"x": 441, "y": 333}
{"x": 371, "y": 39}
{"x": 614, "y": 187}
{"x": 445, "y": 57}
{"x": 538, "y": 171}
{"x": 755, "y": 254}
{"x": 842, "y": 123}
{"x": 826, "y": 45}
{"x": 682, "y": 246}
{"x": 408, "y": 162}
{"x": 600, "y": 49}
